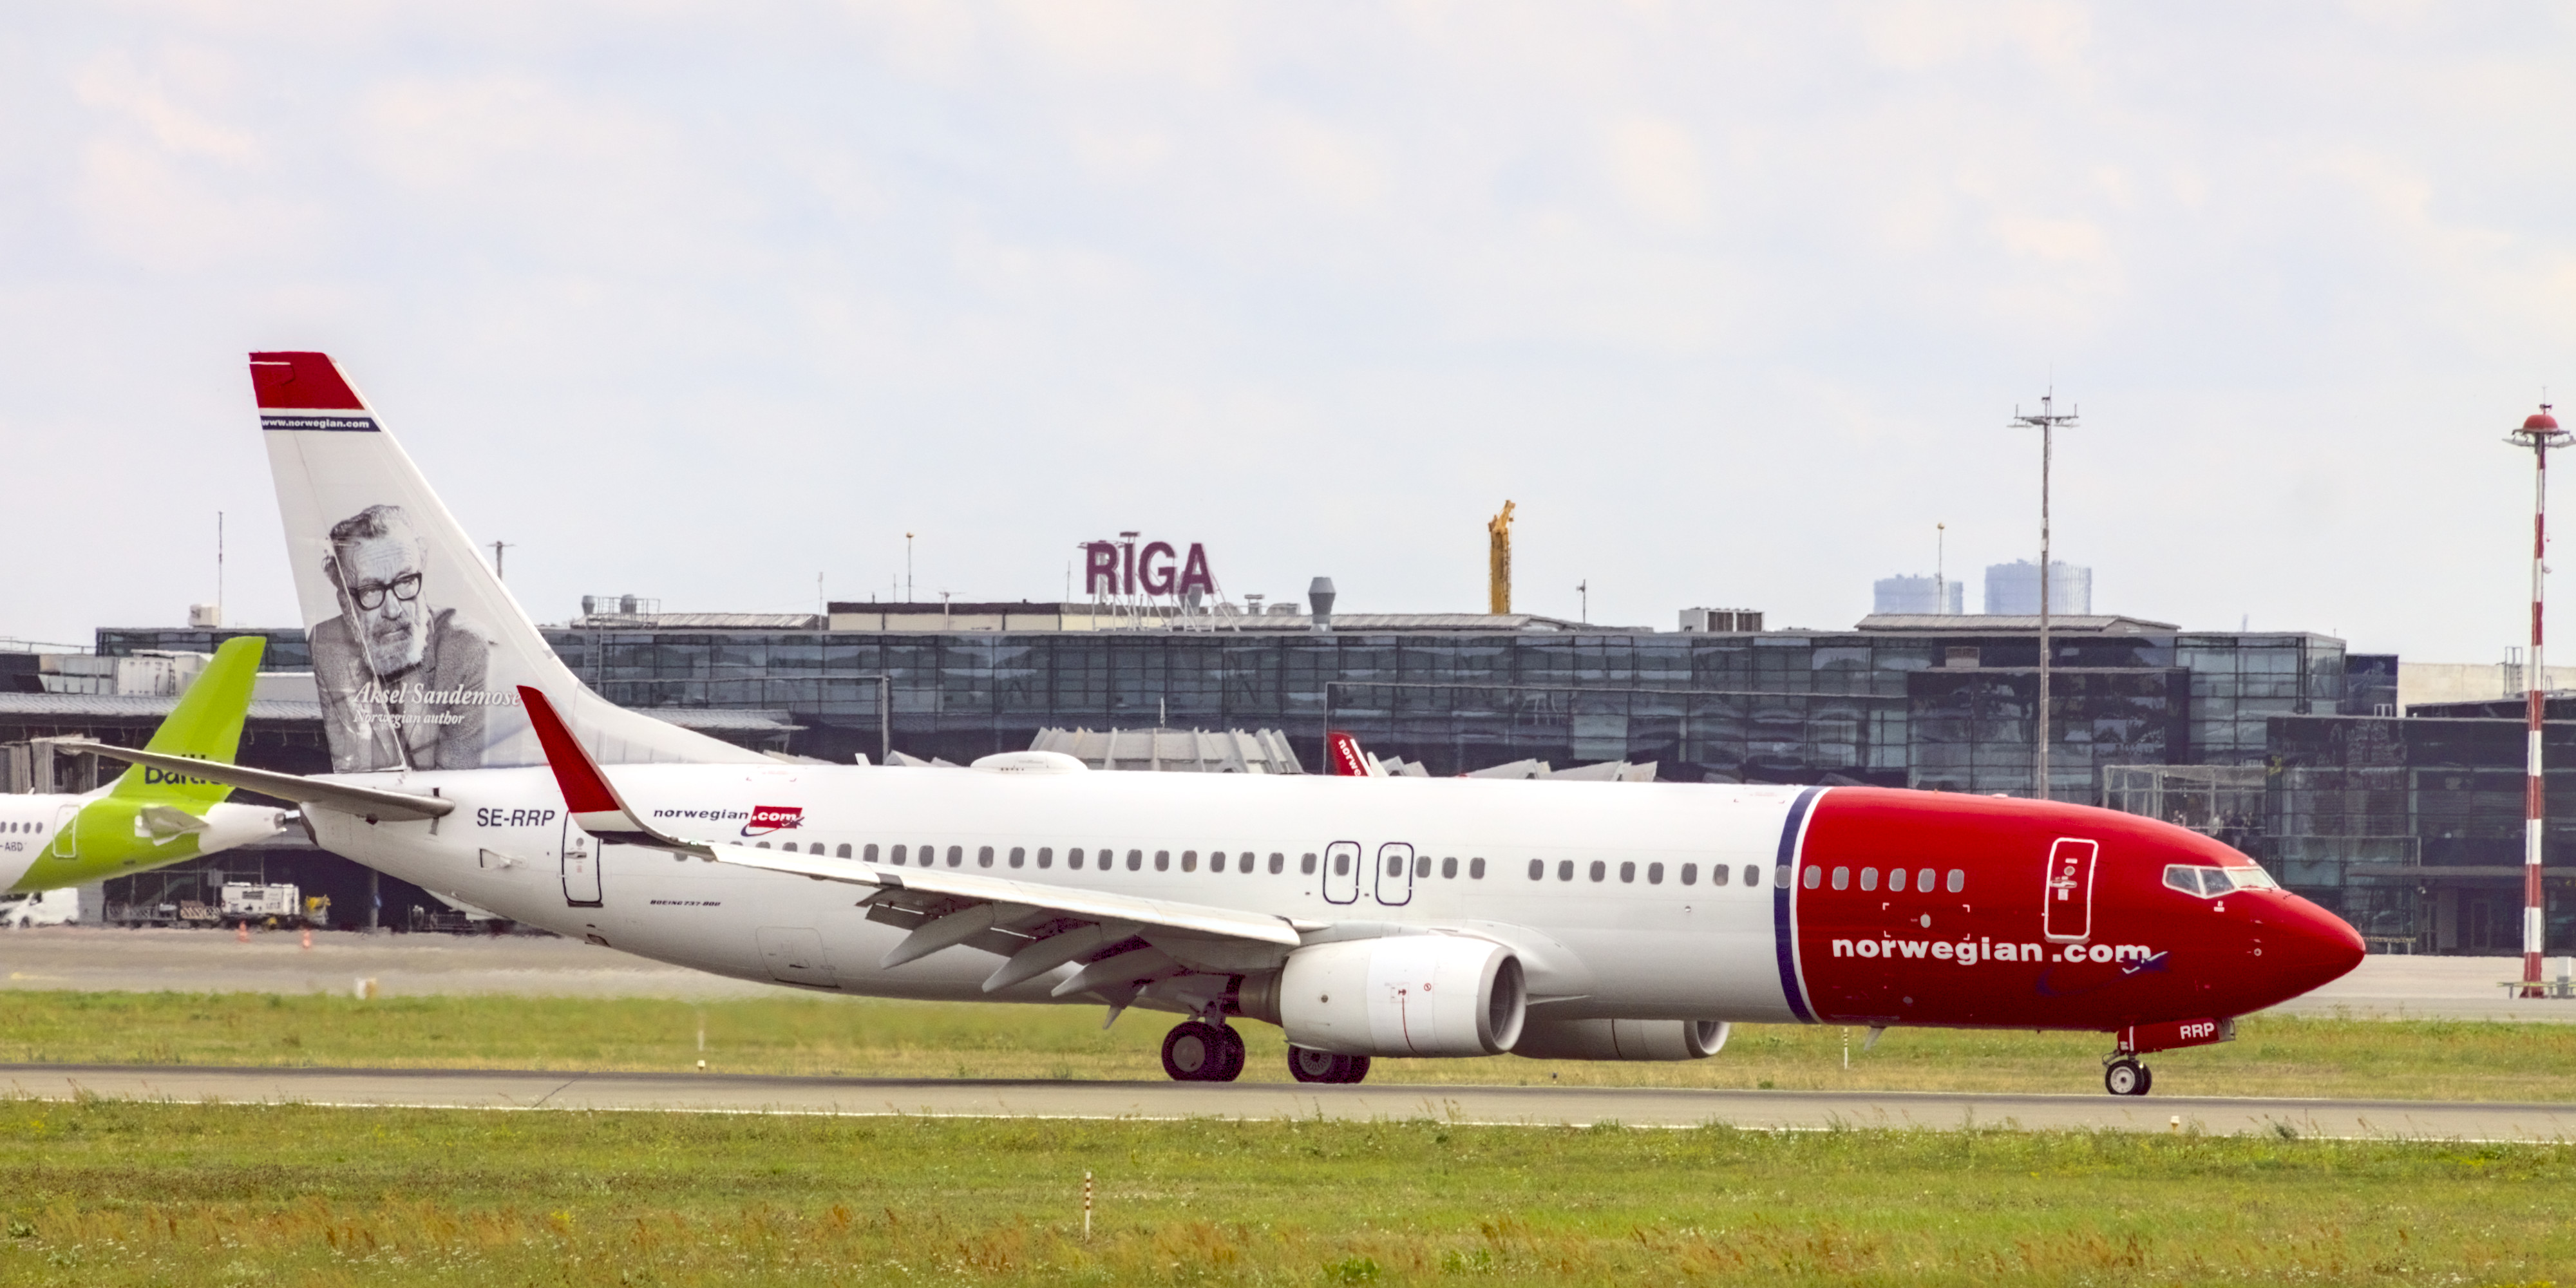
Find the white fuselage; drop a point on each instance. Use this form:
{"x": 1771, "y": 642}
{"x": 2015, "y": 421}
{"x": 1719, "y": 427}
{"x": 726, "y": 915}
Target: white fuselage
{"x": 1633, "y": 947}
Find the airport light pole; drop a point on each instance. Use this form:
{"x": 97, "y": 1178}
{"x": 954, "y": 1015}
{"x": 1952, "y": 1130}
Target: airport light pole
{"x": 2048, "y": 420}
{"x": 2539, "y": 432}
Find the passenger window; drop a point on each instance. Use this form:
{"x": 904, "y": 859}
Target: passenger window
{"x": 870, "y": 854}
{"x": 1278, "y": 863}
{"x": 1815, "y": 876}
{"x": 1135, "y": 860}
{"x": 898, "y": 854}
{"x": 1628, "y": 873}
{"x": 1842, "y": 878}
{"x": 1073, "y": 858}
{"x": 1538, "y": 870}
{"x": 1422, "y": 865}
{"x": 1869, "y": 878}
{"x": 1018, "y": 856}
{"x": 1395, "y": 865}
{"x": 1753, "y": 876}
{"x": 1448, "y": 869}
{"x": 1565, "y": 870}
{"x": 1958, "y": 880}
{"x": 1189, "y": 861}
{"x": 1923, "y": 880}
{"x": 1243, "y": 863}
{"x": 1162, "y": 860}
{"x": 1341, "y": 865}
{"x": 764, "y": 845}
{"x": 1599, "y": 869}
{"x": 1716, "y": 874}
{"x": 1779, "y": 876}
{"x": 1654, "y": 874}
{"x": 1896, "y": 880}
{"x": 1046, "y": 857}
{"x": 984, "y": 856}
{"x": 817, "y": 848}
{"x": 1305, "y": 865}
{"x": 1475, "y": 869}
{"x": 957, "y": 855}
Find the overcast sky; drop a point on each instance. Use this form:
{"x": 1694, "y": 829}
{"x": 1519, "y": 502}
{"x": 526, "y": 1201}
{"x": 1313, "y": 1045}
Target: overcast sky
{"x": 1735, "y": 302}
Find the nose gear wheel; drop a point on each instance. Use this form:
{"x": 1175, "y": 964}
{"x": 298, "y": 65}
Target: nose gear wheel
{"x": 2127, "y": 1077}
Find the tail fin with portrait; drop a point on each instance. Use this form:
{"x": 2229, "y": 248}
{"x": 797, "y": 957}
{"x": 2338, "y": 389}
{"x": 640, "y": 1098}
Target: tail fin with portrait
{"x": 418, "y": 649}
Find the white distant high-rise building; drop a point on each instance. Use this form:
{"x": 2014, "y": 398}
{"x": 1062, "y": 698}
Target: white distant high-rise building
{"x": 1918, "y": 595}
{"x": 2012, "y": 589}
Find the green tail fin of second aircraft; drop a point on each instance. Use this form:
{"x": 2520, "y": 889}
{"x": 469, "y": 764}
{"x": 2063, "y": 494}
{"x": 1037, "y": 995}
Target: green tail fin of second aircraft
{"x": 207, "y": 724}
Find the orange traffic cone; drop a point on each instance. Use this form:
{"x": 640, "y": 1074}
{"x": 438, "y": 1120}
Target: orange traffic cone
{"x": 241, "y": 931}
{"x": 308, "y": 937}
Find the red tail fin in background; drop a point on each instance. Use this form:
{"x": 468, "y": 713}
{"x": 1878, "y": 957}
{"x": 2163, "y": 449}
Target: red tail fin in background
{"x": 1343, "y": 757}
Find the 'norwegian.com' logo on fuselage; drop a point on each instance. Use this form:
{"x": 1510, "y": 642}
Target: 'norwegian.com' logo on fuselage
{"x": 766, "y": 819}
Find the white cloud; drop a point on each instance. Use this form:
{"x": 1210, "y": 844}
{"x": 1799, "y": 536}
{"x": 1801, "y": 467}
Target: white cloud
{"x": 1732, "y": 300}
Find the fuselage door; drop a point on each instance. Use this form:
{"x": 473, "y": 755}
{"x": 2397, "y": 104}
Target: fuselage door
{"x": 67, "y": 832}
{"x": 580, "y": 866}
{"x": 1342, "y": 872}
{"x": 2068, "y": 896}
{"x": 1395, "y": 874}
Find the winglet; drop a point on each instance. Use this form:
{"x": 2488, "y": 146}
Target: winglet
{"x": 593, "y": 802}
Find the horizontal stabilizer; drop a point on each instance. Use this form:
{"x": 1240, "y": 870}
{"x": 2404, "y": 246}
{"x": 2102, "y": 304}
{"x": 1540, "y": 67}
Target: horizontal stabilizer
{"x": 370, "y": 803}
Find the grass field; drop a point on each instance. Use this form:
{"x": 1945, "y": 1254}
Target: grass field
{"x": 2447, "y": 1060}
{"x": 113, "y": 1193}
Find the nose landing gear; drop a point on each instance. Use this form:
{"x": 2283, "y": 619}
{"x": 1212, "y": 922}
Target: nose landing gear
{"x": 1309, "y": 1065}
{"x": 1197, "y": 1051}
{"x": 2122, "y": 1076}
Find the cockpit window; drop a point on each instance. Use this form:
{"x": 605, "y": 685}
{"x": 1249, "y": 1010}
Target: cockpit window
{"x": 2209, "y": 883}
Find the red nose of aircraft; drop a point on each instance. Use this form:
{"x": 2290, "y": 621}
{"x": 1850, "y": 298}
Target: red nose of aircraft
{"x": 2303, "y": 947}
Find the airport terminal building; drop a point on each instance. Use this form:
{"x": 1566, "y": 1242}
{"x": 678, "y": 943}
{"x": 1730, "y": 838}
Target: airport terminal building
{"x": 2283, "y": 743}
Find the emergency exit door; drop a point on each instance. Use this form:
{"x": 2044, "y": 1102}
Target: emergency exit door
{"x": 1342, "y": 864}
{"x": 2068, "y": 910}
{"x": 67, "y": 832}
{"x": 1395, "y": 874}
{"x": 580, "y": 867}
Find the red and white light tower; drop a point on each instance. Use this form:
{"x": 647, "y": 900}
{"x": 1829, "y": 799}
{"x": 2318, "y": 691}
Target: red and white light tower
{"x": 2539, "y": 432}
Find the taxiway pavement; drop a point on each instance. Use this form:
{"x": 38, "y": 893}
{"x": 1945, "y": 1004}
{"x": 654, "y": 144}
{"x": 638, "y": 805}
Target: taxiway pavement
{"x": 1533, "y": 1106}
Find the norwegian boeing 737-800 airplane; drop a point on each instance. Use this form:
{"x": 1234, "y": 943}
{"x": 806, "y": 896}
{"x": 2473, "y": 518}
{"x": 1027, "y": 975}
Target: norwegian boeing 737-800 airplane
{"x": 1365, "y": 917}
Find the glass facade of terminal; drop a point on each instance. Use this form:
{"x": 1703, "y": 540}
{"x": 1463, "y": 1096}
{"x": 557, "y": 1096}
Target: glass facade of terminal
{"x": 2279, "y": 743}
{"x": 1934, "y": 710}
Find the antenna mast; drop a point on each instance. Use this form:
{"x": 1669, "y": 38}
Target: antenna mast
{"x": 2047, "y": 421}
{"x": 1498, "y": 562}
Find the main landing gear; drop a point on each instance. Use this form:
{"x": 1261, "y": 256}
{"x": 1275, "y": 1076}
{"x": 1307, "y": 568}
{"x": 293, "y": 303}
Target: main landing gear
{"x": 1309, "y": 1065}
{"x": 2124, "y": 1076}
{"x": 1197, "y": 1051}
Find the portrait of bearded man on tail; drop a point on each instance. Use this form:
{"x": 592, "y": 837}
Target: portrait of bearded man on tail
{"x": 401, "y": 679}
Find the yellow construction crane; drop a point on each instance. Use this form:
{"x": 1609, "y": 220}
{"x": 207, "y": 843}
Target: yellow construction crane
{"x": 1498, "y": 584}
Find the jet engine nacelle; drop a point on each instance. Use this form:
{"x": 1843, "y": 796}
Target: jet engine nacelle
{"x": 1436, "y": 995}
{"x": 1621, "y": 1039}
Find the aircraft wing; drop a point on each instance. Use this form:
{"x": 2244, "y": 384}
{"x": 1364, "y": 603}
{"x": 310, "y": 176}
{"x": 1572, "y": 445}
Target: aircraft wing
{"x": 370, "y": 803}
{"x": 1122, "y": 941}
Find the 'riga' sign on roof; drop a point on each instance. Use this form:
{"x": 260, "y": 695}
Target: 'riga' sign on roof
{"x": 1123, "y": 567}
